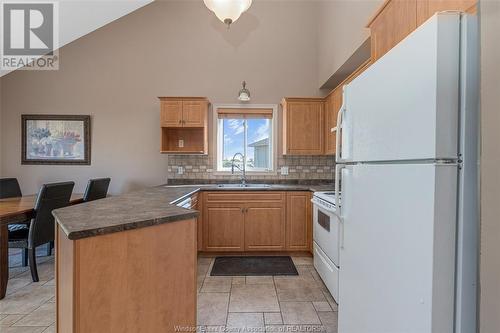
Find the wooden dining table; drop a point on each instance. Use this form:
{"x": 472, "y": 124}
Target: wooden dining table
{"x": 12, "y": 211}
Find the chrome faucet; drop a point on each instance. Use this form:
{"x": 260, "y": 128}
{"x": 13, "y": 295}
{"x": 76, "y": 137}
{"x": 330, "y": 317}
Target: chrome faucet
{"x": 242, "y": 169}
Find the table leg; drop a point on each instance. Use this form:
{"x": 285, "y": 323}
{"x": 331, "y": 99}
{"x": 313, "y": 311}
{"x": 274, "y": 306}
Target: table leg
{"x": 4, "y": 260}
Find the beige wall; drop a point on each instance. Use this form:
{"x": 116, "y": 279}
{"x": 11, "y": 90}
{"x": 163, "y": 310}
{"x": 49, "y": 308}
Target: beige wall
{"x": 490, "y": 164}
{"x": 341, "y": 30}
{"x": 164, "y": 49}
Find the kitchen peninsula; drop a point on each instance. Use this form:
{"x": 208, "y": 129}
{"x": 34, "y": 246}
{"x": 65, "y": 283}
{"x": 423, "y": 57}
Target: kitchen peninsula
{"x": 126, "y": 264}
{"x": 129, "y": 262}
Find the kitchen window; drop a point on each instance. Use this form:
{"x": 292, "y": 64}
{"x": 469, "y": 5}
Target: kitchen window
{"x": 249, "y": 131}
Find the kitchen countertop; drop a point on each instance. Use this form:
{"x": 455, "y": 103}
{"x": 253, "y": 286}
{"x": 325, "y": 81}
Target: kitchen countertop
{"x": 143, "y": 208}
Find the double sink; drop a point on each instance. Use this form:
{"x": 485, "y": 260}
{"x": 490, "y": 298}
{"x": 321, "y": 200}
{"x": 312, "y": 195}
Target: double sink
{"x": 255, "y": 186}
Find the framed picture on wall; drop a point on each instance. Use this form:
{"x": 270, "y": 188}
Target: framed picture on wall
{"x": 55, "y": 139}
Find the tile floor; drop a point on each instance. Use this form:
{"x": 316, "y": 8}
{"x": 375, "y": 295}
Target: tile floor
{"x": 225, "y": 304}
{"x": 29, "y": 307}
{"x": 265, "y": 303}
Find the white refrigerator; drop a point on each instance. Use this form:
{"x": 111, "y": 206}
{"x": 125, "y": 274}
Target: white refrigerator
{"x": 407, "y": 170}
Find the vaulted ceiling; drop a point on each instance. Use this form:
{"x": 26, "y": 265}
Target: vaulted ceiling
{"x": 80, "y": 17}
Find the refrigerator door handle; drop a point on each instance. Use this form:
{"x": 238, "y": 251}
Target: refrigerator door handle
{"x": 341, "y": 145}
{"x": 338, "y": 134}
{"x": 338, "y": 207}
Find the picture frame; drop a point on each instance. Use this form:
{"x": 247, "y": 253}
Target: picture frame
{"x": 55, "y": 139}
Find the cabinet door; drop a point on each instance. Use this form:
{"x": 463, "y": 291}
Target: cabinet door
{"x": 298, "y": 221}
{"x": 194, "y": 113}
{"x": 427, "y": 8}
{"x": 171, "y": 114}
{"x": 396, "y": 21}
{"x": 304, "y": 128}
{"x": 265, "y": 226}
{"x": 223, "y": 227}
{"x": 332, "y": 106}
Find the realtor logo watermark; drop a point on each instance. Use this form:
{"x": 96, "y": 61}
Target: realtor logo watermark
{"x": 30, "y": 32}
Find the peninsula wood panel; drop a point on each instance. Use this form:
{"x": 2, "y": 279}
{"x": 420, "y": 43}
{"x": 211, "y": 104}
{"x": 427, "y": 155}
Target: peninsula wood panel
{"x": 198, "y": 205}
{"x": 265, "y": 226}
{"x": 65, "y": 292}
{"x": 223, "y": 227}
{"x": 128, "y": 281}
{"x": 298, "y": 221}
{"x": 303, "y": 123}
{"x": 392, "y": 23}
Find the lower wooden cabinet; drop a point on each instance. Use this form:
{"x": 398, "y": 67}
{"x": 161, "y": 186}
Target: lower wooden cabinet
{"x": 265, "y": 226}
{"x": 270, "y": 221}
{"x": 223, "y": 227}
{"x": 298, "y": 221}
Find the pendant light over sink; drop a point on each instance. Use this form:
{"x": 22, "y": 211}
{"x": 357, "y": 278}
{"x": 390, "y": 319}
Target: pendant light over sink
{"x": 228, "y": 11}
{"x": 244, "y": 94}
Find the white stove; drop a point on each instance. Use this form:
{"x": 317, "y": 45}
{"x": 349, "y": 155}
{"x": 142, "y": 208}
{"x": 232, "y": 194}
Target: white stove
{"x": 325, "y": 199}
{"x": 326, "y": 240}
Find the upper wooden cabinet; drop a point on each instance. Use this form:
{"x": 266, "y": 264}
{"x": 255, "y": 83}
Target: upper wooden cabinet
{"x": 392, "y": 23}
{"x": 184, "y": 111}
{"x": 171, "y": 113}
{"x": 184, "y": 125}
{"x": 333, "y": 103}
{"x": 427, "y": 8}
{"x": 303, "y": 120}
{"x": 396, "y": 19}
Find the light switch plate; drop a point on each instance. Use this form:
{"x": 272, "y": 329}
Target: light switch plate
{"x": 284, "y": 170}
{"x": 180, "y": 170}
{"x": 181, "y": 143}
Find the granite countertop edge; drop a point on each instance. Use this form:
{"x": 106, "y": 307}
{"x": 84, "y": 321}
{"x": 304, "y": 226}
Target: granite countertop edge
{"x": 145, "y": 208}
{"x": 87, "y": 233}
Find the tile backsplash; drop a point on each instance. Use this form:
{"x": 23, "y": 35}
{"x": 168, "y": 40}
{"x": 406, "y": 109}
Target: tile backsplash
{"x": 299, "y": 167}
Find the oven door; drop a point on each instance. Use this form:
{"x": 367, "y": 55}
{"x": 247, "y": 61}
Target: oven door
{"x": 326, "y": 232}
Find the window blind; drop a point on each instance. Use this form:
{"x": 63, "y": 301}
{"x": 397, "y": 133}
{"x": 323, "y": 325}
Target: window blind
{"x": 223, "y": 113}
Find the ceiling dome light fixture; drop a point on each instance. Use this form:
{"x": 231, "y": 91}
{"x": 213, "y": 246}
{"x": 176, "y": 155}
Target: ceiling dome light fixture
{"x": 228, "y": 11}
{"x": 244, "y": 94}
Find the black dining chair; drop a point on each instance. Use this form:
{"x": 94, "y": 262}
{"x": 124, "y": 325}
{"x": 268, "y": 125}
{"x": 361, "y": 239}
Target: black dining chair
{"x": 42, "y": 228}
{"x": 9, "y": 188}
{"x": 96, "y": 189}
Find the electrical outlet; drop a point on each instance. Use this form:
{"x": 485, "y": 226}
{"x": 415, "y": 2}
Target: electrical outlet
{"x": 180, "y": 170}
{"x": 284, "y": 170}
{"x": 181, "y": 143}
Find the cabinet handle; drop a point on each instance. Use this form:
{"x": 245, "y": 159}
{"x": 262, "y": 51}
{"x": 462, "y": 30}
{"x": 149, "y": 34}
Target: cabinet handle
{"x": 242, "y": 210}
{"x": 180, "y": 121}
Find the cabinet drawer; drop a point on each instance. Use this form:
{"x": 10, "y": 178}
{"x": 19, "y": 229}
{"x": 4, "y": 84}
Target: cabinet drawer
{"x": 240, "y": 196}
